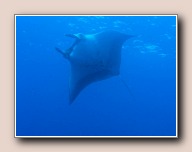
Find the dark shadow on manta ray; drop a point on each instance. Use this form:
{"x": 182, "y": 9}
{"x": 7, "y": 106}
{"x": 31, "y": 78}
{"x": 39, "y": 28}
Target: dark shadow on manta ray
{"x": 93, "y": 58}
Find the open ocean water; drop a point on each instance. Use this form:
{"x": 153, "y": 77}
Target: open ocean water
{"x": 141, "y": 101}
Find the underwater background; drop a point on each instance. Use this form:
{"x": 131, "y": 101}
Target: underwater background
{"x": 141, "y": 101}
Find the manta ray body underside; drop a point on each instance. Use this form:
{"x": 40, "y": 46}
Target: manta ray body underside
{"x": 93, "y": 58}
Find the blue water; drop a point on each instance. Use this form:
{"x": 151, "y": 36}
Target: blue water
{"x": 141, "y": 101}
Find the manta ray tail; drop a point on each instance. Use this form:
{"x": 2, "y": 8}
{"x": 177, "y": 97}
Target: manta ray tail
{"x": 128, "y": 88}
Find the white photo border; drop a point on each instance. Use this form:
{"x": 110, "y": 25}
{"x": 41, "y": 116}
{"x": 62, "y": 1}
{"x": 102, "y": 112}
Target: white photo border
{"x": 176, "y": 136}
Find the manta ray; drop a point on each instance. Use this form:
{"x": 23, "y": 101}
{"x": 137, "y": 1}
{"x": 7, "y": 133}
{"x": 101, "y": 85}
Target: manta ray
{"x": 93, "y": 57}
